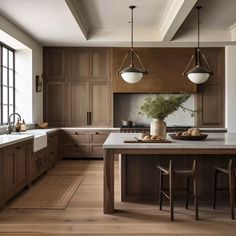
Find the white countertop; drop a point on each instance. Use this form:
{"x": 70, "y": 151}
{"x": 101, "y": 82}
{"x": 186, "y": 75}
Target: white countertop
{"x": 39, "y": 136}
{"x": 214, "y": 140}
{"x": 91, "y": 128}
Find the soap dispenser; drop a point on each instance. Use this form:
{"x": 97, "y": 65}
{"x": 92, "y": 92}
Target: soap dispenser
{"x": 18, "y": 125}
{"x": 23, "y": 126}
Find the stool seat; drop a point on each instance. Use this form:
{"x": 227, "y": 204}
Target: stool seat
{"x": 231, "y": 172}
{"x": 172, "y": 173}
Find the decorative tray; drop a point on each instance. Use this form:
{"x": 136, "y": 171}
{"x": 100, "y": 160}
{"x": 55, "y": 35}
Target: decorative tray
{"x": 191, "y": 138}
{"x": 147, "y": 141}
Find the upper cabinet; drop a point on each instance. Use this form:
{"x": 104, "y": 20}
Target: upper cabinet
{"x": 210, "y": 96}
{"x": 54, "y": 64}
{"x": 79, "y": 63}
{"x": 165, "y": 67}
{"x": 88, "y": 64}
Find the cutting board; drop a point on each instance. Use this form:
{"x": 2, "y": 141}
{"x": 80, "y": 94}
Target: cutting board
{"x": 147, "y": 141}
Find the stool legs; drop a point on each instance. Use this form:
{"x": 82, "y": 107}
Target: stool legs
{"x": 187, "y": 193}
{"x": 160, "y": 190}
{"x": 231, "y": 189}
{"x": 215, "y": 187}
{"x": 195, "y": 192}
{"x": 171, "y": 191}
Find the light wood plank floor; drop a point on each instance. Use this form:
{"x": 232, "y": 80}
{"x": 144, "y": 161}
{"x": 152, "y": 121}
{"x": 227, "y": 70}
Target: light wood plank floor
{"x": 83, "y": 215}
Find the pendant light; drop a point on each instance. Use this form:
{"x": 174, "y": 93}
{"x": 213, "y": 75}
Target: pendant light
{"x": 132, "y": 74}
{"x": 199, "y": 74}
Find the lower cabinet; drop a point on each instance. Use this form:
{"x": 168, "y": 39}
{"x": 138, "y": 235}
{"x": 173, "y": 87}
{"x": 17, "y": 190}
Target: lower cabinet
{"x": 16, "y": 168}
{"x": 52, "y": 150}
{"x": 83, "y": 143}
{"x": 38, "y": 164}
{"x": 1, "y": 180}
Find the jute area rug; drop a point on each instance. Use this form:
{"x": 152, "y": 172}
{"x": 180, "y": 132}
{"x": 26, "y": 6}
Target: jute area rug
{"x": 52, "y": 192}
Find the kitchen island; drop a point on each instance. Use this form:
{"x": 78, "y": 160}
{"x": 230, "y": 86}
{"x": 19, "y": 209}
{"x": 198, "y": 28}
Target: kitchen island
{"x": 217, "y": 148}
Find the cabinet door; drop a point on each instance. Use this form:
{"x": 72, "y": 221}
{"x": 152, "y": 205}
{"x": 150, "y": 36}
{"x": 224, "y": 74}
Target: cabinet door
{"x": 78, "y": 103}
{"x": 101, "y": 58}
{"x": 100, "y": 103}
{"x": 1, "y": 180}
{"x": 210, "y": 98}
{"x": 54, "y": 103}
{"x": 9, "y": 173}
{"x": 79, "y": 63}
{"x": 54, "y": 64}
{"x": 21, "y": 169}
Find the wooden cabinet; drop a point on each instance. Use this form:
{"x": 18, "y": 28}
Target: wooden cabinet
{"x": 89, "y": 97}
{"x": 16, "y": 168}
{"x": 54, "y": 67}
{"x": 82, "y": 143}
{"x": 2, "y": 201}
{"x": 79, "y": 64}
{"x": 210, "y": 97}
{"x": 78, "y": 103}
{"x": 38, "y": 164}
{"x": 100, "y": 103}
{"x": 54, "y": 104}
{"x": 52, "y": 150}
{"x": 101, "y": 63}
{"x": 81, "y": 91}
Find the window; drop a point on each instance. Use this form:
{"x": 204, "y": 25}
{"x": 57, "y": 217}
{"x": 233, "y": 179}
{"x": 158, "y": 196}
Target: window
{"x": 7, "y": 82}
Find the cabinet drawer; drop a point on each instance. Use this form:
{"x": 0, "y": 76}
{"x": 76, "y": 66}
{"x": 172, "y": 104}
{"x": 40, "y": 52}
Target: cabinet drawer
{"x": 76, "y": 138}
{"x": 99, "y": 137}
{"x": 97, "y": 149}
{"x": 76, "y": 149}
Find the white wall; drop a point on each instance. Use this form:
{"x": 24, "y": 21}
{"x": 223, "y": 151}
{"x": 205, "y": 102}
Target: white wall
{"x": 34, "y": 69}
{"x": 230, "y": 88}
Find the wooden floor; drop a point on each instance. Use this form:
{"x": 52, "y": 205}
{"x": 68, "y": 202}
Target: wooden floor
{"x": 84, "y": 216}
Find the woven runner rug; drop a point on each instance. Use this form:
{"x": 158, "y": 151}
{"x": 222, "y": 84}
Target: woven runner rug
{"x": 52, "y": 192}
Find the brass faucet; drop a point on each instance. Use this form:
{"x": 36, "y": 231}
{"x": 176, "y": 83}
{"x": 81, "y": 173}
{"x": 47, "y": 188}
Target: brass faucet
{"x": 10, "y": 126}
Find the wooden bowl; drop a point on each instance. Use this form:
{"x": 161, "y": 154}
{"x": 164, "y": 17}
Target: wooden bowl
{"x": 43, "y": 125}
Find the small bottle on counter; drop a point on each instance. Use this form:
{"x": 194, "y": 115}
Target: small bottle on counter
{"x": 18, "y": 125}
{"x": 23, "y": 126}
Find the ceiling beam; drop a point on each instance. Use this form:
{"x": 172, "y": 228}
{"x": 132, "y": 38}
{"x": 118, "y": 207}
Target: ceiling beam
{"x": 175, "y": 14}
{"x": 76, "y": 10}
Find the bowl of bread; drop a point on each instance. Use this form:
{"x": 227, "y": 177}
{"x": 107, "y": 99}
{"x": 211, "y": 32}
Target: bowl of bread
{"x": 190, "y": 134}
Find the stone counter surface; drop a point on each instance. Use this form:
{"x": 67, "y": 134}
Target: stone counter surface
{"x": 214, "y": 140}
{"x": 9, "y": 139}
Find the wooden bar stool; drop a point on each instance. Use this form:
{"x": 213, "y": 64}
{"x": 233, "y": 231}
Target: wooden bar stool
{"x": 172, "y": 173}
{"x": 230, "y": 171}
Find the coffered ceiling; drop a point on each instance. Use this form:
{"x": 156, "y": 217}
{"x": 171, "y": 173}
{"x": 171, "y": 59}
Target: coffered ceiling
{"x": 106, "y": 22}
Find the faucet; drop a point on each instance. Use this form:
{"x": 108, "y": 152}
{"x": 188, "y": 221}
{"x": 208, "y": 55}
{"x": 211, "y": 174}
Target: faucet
{"x": 10, "y": 126}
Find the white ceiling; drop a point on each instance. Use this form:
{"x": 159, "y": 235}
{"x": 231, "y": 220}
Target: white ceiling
{"x": 105, "y": 22}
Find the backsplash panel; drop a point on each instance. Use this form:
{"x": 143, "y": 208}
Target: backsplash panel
{"x": 127, "y": 106}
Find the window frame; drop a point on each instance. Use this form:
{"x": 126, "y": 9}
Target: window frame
{"x": 8, "y": 48}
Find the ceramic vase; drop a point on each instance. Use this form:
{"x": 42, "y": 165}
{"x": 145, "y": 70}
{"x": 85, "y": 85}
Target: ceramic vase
{"x": 158, "y": 128}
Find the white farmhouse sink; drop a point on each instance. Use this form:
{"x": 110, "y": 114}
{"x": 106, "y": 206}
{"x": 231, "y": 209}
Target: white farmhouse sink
{"x": 40, "y": 138}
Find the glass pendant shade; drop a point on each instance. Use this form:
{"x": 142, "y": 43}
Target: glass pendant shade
{"x": 198, "y": 75}
{"x": 132, "y": 77}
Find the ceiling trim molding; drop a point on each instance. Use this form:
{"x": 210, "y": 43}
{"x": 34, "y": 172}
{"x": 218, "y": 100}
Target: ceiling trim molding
{"x": 177, "y": 11}
{"x": 76, "y": 10}
{"x": 232, "y": 29}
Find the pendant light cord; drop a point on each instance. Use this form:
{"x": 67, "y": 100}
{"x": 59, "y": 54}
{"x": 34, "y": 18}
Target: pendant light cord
{"x": 198, "y": 35}
{"x": 198, "y": 27}
{"x": 132, "y": 35}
